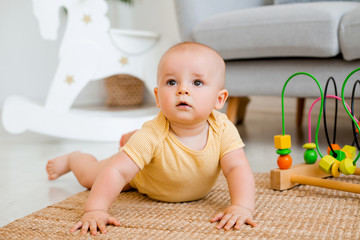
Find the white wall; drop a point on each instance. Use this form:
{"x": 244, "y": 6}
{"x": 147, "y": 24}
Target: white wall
{"x": 28, "y": 63}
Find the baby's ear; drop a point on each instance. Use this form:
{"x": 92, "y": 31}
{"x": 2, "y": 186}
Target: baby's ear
{"x": 221, "y": 99}
{"x": 156, "y": 92}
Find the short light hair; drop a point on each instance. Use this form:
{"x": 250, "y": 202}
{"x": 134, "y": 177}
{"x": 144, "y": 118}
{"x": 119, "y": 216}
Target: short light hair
{"x": 196, "y": 45}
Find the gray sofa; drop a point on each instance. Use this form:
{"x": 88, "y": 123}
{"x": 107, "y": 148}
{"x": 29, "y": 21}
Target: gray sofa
{"x": 264, "y": 42}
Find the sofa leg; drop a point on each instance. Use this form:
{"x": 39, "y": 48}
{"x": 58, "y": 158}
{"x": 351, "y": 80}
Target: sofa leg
{"x": 236, "y": 109}
{"x": 231, "y": 112}
{"x": 300, "y": 104}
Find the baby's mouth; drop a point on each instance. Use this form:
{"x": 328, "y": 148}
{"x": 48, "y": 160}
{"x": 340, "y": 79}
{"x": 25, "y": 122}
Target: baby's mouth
{"x": 183, "y": 104}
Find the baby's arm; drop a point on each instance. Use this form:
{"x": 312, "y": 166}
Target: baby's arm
{"x": 242, "y": 191}
{"x": 107, "y": 186}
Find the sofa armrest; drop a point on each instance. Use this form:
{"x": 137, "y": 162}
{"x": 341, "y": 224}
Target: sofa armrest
{"x": 190, "y": 12}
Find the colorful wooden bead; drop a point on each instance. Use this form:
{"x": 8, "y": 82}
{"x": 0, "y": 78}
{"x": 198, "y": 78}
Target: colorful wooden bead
{"x": 285, "y": 151}
{"x": 338, "y": 154}
{"x": 347, "y": 167}
{"x": 334, "y": 147}
{"x": 284, "y": 161}
{"x": 326, "y": 162}
{"x": 310, "y": 156}
{"x": 309, "y": 145}
{"x": 335, "y": 169}
{"x": 351, "y": 150}
{"x": 282, "y": 141}
{"x": 347, "y": 153}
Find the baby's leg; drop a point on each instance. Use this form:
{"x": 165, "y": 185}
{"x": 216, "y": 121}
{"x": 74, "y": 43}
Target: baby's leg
{"x": 84, "y": 166}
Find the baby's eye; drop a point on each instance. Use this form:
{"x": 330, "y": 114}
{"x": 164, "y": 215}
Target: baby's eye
{"x": 171, "y": 82}
{"x": 198, "y": 83}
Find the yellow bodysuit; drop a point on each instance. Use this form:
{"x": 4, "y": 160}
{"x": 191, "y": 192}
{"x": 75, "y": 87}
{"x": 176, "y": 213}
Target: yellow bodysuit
{"x": 172, "y": 172}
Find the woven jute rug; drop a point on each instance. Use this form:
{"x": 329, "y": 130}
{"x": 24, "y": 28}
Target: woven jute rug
{"x": 303, "y": 212}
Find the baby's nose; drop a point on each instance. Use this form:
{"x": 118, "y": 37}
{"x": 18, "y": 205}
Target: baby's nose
{"x": 183, "y": 92}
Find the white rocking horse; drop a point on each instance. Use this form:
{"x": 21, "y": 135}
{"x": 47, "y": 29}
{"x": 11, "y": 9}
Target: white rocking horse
{"x": 89, "y": 51}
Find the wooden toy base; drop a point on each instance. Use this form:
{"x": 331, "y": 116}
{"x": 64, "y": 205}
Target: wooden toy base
{"x": 308, "y": 174}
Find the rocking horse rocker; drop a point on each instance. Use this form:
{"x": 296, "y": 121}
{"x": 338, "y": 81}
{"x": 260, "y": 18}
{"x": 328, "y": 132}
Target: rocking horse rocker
{"x": 89, "y": 51}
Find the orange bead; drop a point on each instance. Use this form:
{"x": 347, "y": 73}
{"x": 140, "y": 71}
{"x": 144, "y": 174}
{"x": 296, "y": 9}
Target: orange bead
{"x": 334, "y": 147}
{"x": 284, "y": 161}
{"x": 335, "y": 169}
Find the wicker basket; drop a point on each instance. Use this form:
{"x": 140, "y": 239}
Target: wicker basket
{"x": 124, "y": 90}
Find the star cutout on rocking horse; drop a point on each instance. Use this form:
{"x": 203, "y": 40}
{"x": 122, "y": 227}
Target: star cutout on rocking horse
{"x": 69, "y": 79}
{"x": 86, "y": 19}
{"x": 124, "y": 61}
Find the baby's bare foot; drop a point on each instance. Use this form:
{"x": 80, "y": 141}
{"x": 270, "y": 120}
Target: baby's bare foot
{"x": 58, "y": 166}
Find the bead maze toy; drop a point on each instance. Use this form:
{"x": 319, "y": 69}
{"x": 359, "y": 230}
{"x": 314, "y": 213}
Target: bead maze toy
{"x": 337, "y": 161}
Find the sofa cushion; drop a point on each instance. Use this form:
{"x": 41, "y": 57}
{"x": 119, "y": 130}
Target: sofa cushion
{"x": 289, "y": 30}
{"x": 349, "y": 34}
{"x": 190, "y": 12}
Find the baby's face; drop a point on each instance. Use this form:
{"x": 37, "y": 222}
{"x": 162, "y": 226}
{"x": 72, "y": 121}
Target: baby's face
{"x": 190, "y": 85}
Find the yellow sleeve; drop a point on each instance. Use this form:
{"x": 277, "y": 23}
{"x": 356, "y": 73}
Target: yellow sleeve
{"x": 230, "y": 138}
{"x": 143, "y": 145}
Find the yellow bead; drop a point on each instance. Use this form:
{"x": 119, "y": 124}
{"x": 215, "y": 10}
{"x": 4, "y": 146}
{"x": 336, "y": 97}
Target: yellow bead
{"x": 351, "y": 150}
{"x": 347, "y": 154}
{"x": 335, "y": 169}
{"x": 309, "y": 145}
{"x": 347, "y": 167}
{"x": 282, "y": 141}
{"x": 326, "y": 162}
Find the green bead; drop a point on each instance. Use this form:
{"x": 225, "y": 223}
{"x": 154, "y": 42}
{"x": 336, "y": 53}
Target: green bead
{"x": 309, "y": 145}
{"x": 285, "y": 151}
{"x": 310, "y": 156}
{"x": 340, "y": 155}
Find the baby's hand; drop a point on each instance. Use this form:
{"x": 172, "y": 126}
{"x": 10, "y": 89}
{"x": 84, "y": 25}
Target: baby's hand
{"x": 234, "y": 216}
{"x": 93, "y": 220}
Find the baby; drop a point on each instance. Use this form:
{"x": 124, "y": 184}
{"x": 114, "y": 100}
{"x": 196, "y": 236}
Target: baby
{"x": 178, "y": 155}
